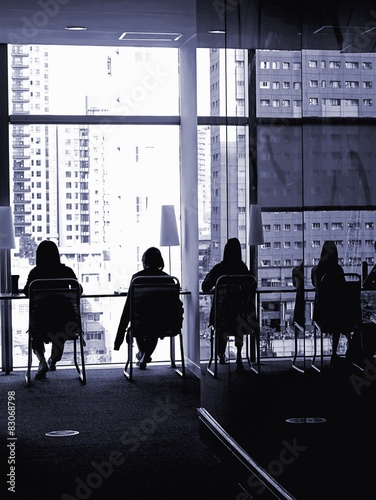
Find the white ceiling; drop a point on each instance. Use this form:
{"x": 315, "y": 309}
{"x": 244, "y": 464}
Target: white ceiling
{"x": 276, "y": 24}
{"x": 43, "y": 21}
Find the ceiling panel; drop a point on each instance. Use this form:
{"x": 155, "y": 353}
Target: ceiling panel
{"x": 270, "y": 24}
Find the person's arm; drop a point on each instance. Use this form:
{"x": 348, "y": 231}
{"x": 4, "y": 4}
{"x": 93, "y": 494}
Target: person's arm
{"x": 69, "y": 273}
{"x": 124, "y": 321}
{"x": 208, "y": 282}
{"x": 30, "y": 278}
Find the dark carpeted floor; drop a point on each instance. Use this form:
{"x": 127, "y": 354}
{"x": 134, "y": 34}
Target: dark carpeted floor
{"x": 328, "y": 460}
{"x": 136, "y": 440}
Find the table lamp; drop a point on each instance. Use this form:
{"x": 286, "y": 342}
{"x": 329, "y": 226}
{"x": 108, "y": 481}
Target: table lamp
{"x": 169, "y": 231}
{"x": 256, "y": 229}
{"x": 7, "y": 241}
{"x": 255, "y": 235}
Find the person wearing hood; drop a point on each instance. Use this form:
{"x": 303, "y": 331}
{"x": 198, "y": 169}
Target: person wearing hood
{"x": 231, "y": 263}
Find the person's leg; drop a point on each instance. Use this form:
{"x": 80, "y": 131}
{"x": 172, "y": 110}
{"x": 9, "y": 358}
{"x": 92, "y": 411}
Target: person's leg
{"x": 239, "y": 347}
{"x": 146, "y": 347}
{"x": 335, "y": 341}
{"x": 221, "y": 348}
{"x": 39, "y": 350}
{"x": 57, "y": 350}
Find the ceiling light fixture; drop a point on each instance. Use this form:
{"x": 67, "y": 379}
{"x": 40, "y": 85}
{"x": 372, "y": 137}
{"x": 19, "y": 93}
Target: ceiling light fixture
{"x": 75, "y": 28}
{"x": 217, "y": 32}
{"x": 148, "y": 37}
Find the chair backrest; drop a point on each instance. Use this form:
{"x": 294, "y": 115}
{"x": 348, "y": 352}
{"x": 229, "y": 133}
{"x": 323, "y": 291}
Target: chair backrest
{"x": 54, "y": 308}
{"x": 235, "y": 311}
{"x": 338, "y": 304}
{"x": 155, "y": 306}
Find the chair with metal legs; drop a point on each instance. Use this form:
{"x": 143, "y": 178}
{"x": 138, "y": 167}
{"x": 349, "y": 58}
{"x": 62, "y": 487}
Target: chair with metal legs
{"x": 156, "y": 311}
{"x": 55, "y": 317}
{"x": 338, "y": 310}
{"x": 235, "y": 314}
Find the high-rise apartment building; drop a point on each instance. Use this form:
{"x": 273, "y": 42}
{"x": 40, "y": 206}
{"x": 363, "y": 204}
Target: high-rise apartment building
{"x": 289, "y": 85}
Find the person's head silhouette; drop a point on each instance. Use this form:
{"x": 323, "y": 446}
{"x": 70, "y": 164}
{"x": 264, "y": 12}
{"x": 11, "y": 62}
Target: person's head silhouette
{"x": 152, "y": 257}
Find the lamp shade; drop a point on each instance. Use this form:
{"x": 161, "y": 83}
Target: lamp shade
{"x": 256, "y": 230}
{"x": 7, "y": 239}
{"x": 169, "y": 230}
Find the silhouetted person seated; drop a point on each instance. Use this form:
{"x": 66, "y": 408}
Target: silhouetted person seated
{"x": 231, "y": 263}
{"x": 48, "y": 266}
{"x": 328, "y": 265}
{"x": 153, "y": 264}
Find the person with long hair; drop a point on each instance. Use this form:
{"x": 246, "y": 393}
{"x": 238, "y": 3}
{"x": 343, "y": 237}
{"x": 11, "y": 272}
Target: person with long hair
{"x": 231, "y": 263}
{"x": 48, "y": 266}
{"x": 328, "y": 264}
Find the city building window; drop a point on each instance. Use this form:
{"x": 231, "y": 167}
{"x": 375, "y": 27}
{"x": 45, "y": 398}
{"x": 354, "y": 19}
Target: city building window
{"x": 351, "y": 84}
{"x": 312, "y": 64}
{"x": 334, "y": 64}
{"x": 352, "y": 102}
{"x": 351, "y": 65}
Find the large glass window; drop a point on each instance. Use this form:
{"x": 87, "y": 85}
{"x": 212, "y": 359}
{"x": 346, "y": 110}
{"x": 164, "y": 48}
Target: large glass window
{"x": 95, "y": 187}
{"x": 71, "y": 80}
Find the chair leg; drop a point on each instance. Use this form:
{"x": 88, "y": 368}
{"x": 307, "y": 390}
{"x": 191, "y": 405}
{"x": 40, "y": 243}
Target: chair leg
{"x": 128, "y": 368}
{"x": 213, "y": 347}
{"x": 83, "y": 368}
{"x": 315, "y": 329}
{"x": 255, "y": 351}
{"x": 172, "y": 352}
{"x": 81, "y": 371}
{"x": 297, "y": 329}
{"x": 29, "y": 361}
